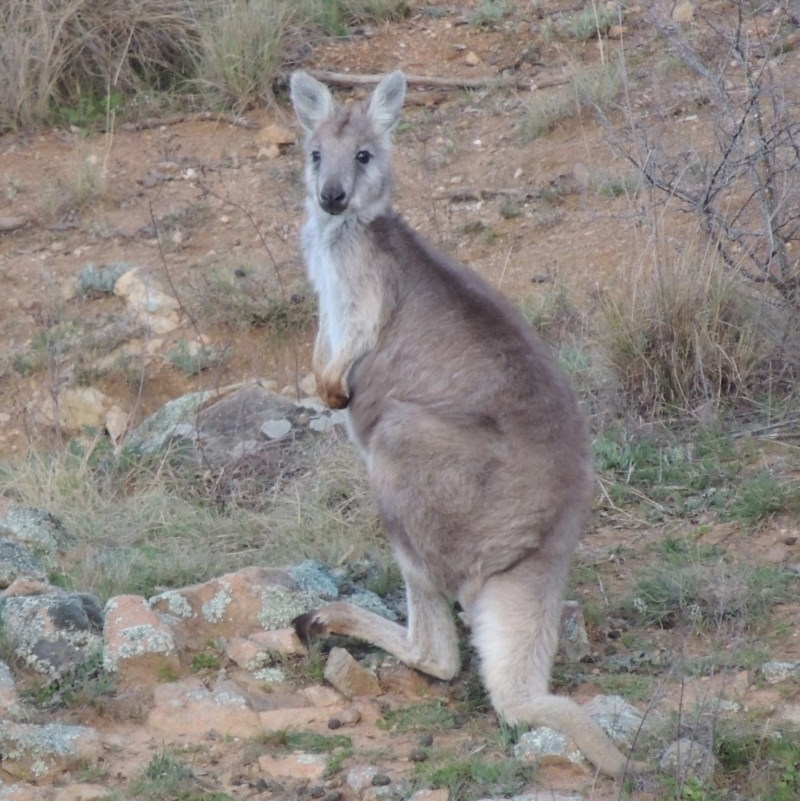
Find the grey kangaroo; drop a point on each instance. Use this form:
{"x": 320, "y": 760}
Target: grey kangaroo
{"x": 474, "y": 444}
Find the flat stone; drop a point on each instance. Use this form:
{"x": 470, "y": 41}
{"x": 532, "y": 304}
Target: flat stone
{"x": 310, "y": 767}
{"x": 187, "y": 711}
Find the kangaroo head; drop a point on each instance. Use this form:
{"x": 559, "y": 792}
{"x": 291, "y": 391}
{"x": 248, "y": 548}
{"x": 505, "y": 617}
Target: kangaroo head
{"x": 348, "y": 148}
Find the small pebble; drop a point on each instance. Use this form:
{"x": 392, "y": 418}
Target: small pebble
{"x": 318, "y": 791}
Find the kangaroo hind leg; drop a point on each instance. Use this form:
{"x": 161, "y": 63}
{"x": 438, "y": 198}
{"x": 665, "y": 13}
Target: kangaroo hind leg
{"x": 429, "y": 643}
{"x": 515, "y": 623}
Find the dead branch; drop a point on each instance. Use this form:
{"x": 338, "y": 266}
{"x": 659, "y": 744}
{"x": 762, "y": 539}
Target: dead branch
{"x": 511, "y": 82}
{"x": 235, "y": 120}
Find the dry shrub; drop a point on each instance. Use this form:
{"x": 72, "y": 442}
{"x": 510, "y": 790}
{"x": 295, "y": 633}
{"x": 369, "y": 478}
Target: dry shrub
{"x": 242, "y": 49}
{"x": 685, "y": 335}
{"x": 56, "y": 51}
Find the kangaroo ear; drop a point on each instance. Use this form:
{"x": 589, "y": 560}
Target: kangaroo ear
{"x": 311, "y": 99}
{"x": 387, "y": 101}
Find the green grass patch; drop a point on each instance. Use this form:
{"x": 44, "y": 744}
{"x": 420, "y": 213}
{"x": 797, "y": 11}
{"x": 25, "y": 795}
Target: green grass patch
{"x": 474, "y": 778}
{"x": 695, "y": 585}
{"x": 433, "y": 715}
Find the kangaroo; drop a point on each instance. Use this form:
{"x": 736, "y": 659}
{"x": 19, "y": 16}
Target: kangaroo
{"x": 475, "y": 447}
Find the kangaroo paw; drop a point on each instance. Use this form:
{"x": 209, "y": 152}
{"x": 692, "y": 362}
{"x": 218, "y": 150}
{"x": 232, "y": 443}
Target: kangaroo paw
{"x": 333, "y": 393}
{"x": 308, "y": 625}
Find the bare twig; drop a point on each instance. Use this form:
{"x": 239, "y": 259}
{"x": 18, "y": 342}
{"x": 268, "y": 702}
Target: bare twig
{"x": 455, "y": 83}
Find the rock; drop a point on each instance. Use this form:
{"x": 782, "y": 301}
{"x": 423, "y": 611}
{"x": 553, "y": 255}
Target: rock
{"x": 573, "y": 641}
{"x": 248, "y": 426}
{"x": 12, "y": 223}
{"x": 621, "y": 721}
{"x": 348, "y": 676}
{"x": 431, "y": 795}
{"x": 189, "y": 711}
{"x": 776, "y": 672}
{"x": 320, "y": 696}
{"x": 53, "y": 633}
{"x": 310, "y": 767}
{"x": 282, "y": 641}
{"x": 33, "y": 752}
{"x": 471, "y": 60}
{"x": 38, "y": 530}
{"x": 687, "y": 757}
{"x": 16, "y": 562}
{"x": 292, "y": 718}
{"x": 359, "y": 778}
{"x": 395, "y": 677}
{"x": 139, "y": 646}
{"x": 236, "y": 604}
{"x": 683, "y": 12}
{"x": 276, "y": 135}
{"x": 9, "y": 700}
{"x": 544, "y": 745}
{"x": 74, "y": 410}
{"x": 151, "y": 307}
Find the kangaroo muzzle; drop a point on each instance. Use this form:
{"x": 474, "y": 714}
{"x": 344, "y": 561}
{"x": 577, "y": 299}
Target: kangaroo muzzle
{"x": 333, "y": 199}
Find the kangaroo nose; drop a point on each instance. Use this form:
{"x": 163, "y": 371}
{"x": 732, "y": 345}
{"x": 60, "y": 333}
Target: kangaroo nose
{"x": 333, "y": 198}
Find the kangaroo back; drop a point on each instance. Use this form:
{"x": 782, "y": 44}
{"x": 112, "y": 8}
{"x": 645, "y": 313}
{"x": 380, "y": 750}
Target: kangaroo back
{"x": 474, "y": 444}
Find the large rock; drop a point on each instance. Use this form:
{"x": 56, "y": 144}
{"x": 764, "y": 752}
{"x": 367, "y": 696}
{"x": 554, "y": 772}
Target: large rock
{"x": 236, "y": 427}
{"x": 53, "y": 633}
{"x": 235, "y": 604}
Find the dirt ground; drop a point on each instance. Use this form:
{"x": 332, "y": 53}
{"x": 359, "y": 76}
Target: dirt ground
{"x": 189, "y": 198}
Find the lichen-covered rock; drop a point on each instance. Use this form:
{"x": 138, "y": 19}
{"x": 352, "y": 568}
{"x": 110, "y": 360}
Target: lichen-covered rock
{"x": 32, "y": 752}
{"x": 620, "y": 720}
{"x": 138, "y": 644}
{"x": 687, "y": 757}
{"x": 776, "y": 672}
{"x": 38, "y": 530}
{"x": 236, "y": 604}
{"x": 544, "y": 745}
{"x": 53, "y": 633}
{"x": 17, "y": 561}
{"x": 9, "y": 700}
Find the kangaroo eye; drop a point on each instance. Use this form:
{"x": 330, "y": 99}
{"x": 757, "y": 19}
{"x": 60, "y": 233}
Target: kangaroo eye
{"x": 316, "y": 157}
{"x": 363, "y": 156}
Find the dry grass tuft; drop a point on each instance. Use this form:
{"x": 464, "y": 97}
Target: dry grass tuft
{"x": 136, "y": 524}
{"x": 684, "y": 334}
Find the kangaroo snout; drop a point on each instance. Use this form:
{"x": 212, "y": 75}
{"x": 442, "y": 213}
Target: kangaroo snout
{"x": 333, "y": 199}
